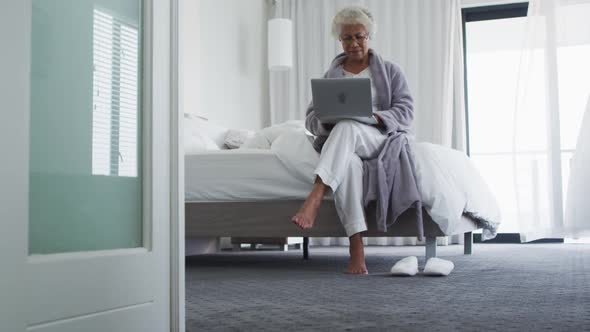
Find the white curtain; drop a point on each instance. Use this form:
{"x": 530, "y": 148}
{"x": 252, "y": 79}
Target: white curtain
{"x": 553, "y": 89}
{"x": 423, "y": 36}
{"x": 577, "y": 212}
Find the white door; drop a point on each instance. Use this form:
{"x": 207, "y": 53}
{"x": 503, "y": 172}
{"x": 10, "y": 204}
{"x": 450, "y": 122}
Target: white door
{"x": 85, "y": 165}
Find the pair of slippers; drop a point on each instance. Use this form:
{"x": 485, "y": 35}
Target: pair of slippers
{"x": 434, "y": 267}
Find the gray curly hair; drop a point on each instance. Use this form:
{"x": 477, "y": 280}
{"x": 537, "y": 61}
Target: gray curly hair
{"x": 353, "y": 15}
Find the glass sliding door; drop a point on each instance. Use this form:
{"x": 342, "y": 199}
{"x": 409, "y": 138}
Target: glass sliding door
{"x": 493, "y": 44}
{"x": 522, "y": 149}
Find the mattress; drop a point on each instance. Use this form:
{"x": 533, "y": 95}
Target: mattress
{"x": 240, "y": 175}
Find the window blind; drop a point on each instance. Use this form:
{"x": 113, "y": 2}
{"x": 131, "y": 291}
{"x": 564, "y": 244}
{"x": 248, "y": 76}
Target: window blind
{"x": 115, "y": 97}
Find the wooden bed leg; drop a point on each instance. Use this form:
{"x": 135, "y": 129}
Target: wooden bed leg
{"x": 430, "y": 247}
{"x": 306, "y": 248}
{"x": 468, "y": 243}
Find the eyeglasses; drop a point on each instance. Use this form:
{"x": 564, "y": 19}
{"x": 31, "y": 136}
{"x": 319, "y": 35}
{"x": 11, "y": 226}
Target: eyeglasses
{"x": 359, "y": 38}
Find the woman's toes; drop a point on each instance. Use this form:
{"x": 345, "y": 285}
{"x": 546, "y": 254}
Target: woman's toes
{"x": 299, "y": 220}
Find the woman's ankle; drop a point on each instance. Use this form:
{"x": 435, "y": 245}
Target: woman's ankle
{"x": 356, "y": 243}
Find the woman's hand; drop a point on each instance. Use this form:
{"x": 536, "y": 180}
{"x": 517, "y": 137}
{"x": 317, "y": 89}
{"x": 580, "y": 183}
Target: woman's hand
{"x": 379, "y": 121}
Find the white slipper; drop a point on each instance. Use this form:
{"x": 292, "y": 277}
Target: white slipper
{"x": 406, "y": 267}
{"x": 438, "y": 267}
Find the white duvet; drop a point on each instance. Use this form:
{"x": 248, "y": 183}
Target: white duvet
{"x": 448, "y": 181}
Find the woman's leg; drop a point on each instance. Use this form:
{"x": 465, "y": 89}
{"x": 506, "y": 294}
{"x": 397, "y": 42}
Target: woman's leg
{"x": 357, "y": 265}
{"x": 348, "y": 199}
{"x": 341, "y": 168}
{"x": 307, "y": 213}
{"x": 347, "y": 141}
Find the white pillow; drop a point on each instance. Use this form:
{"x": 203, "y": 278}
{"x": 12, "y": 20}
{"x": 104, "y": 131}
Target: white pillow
{"x": 236, "y": 137}
{"x": 195, "y": 143}
{"x": 258, "y": 141}
{"x": 201, "y": 126}
{"x": 271, "y": 133}
{"x": 266, "y": 136}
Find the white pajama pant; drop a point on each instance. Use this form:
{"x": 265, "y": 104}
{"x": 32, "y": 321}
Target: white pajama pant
{"x": 341, "y": 168}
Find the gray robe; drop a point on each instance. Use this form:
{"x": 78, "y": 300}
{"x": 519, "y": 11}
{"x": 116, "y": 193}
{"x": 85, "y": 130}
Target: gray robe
{"x": 388, "y": 179}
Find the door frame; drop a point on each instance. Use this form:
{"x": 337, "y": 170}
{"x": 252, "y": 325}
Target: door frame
{"x": 177, "y": 244}
{"x": 15, "y": 27}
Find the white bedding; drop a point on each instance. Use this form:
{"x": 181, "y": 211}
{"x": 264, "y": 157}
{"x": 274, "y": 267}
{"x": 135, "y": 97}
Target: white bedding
{"x": 450, "y": 185}
{"x": 240, "y": 175}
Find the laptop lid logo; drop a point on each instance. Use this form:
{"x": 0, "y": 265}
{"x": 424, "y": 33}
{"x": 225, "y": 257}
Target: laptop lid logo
{"x": 342, "y": 98}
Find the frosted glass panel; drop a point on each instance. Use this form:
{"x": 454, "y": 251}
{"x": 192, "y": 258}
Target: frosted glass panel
{"x": 85, "y": 190}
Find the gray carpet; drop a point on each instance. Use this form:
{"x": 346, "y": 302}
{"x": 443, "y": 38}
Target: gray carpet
{"x": 532, "y": 287}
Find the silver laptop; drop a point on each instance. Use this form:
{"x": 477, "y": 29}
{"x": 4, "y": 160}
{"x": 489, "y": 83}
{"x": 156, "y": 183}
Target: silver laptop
{"x": 336, "y": 99}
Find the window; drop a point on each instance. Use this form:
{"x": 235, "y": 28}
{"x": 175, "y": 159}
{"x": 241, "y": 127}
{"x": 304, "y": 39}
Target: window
{"x": 115, "y": 115}
{"x": 519, "y": 174}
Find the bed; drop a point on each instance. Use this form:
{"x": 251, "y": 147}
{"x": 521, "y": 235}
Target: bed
{"x": 255, "y": 192}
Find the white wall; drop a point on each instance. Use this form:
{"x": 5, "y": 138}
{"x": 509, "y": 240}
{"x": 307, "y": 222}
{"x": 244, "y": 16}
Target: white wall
{"x": 223, "y": 61}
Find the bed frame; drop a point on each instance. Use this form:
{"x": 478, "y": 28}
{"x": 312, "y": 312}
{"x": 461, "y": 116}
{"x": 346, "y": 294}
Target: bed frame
{"x": 273, "y": 219}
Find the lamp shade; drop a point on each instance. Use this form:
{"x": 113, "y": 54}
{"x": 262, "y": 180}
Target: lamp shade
{"x": 280, "y": 44}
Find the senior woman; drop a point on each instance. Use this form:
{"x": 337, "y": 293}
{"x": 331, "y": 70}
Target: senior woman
{"x": 343, "y": 147}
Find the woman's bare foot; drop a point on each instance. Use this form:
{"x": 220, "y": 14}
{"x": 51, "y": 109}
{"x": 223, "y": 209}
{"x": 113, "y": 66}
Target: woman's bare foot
{"x": 305, "y": 217}
{"x": 357, "y": 265}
